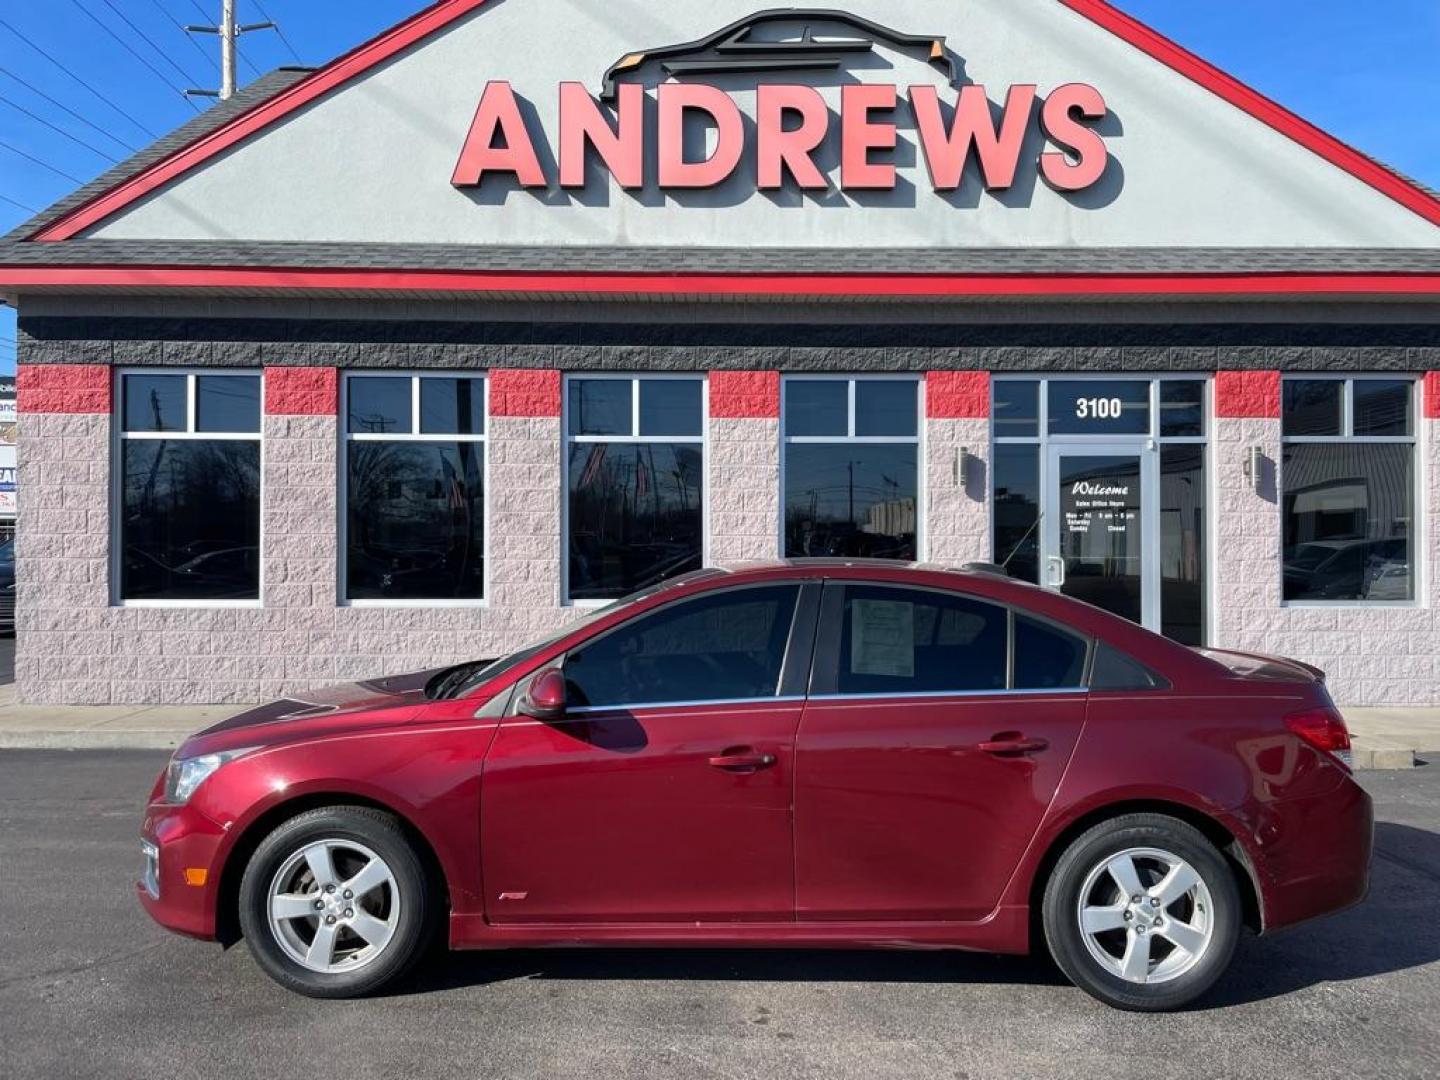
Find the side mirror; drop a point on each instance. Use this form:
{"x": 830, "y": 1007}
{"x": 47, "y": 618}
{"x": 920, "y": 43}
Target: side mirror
{"x": 545, "y": 700}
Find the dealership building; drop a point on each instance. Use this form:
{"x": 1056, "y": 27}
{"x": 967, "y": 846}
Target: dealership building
{"x": 525, "y": 305}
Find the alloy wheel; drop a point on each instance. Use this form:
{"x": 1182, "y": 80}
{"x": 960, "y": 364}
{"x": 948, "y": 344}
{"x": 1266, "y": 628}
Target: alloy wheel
{"x": 333, "y": 906}
{"x": 1146, "y": 915}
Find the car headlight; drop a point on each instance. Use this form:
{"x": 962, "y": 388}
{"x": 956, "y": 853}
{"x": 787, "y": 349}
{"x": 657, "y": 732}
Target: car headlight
{"x": 184, "y": 775}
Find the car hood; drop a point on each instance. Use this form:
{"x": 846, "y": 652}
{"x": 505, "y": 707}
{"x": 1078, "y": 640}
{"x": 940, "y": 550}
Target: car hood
{"x": 383, "y": 699}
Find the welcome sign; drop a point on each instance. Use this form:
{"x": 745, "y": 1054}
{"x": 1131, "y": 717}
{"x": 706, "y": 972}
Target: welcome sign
{"x": 792, "y": 119}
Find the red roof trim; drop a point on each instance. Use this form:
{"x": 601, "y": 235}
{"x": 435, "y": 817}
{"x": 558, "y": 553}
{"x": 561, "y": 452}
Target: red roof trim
{"x": 721, "y": 285}
{"x": 332, "y": 75}
{"x": 1262, "y": 108}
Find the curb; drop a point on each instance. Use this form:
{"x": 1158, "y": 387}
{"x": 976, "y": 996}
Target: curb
{"x": 91, "y": 740}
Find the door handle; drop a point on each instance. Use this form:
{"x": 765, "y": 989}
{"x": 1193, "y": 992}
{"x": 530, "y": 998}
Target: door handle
{"x": 1055, "y": 571}
{"x": 1013, "y": 745}
{"x": 742, "y": 759}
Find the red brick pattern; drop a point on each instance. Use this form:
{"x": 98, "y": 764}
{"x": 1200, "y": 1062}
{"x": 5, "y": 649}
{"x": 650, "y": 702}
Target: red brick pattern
{"x": 745, "y": 395}
{"x": 524, "y": 392}
{"x": 302, "y": 391}
{"x": 957, "y": 395}
{"x": 1432, "y": 395}
{"x": 63, "y": 388}
{"x": 1247, "y": 395}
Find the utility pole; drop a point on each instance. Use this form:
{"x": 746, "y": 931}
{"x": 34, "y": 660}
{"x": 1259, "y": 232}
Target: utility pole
{"x": 229, "y": 33}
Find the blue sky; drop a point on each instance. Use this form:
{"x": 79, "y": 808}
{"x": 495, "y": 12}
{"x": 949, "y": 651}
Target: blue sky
{"x": 1366, "y": 72}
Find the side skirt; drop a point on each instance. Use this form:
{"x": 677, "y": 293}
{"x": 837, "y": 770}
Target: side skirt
{"x": 1005, "y": 931}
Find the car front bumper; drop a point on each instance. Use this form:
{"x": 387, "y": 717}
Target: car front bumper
{"x": 179, "y": 880}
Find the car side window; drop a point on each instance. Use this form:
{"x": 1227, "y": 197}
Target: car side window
{"x": 1046, "y": 657}
{"x": 910, "y": 641}
{"x": 1113, "y": 670}
{"x": 720, "y": 647}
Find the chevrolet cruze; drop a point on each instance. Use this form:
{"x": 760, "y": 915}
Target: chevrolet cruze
{"x": 813, "y": 753}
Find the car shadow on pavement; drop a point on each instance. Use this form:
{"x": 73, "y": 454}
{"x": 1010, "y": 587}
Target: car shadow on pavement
{"x": 1393, "y": 930}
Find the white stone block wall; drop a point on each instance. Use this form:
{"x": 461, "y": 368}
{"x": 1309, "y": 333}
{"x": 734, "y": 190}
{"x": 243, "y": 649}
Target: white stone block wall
{"x": 957, "y": 518}
{"x": 745, "y": 512}
{"x": 1371, "y": 655}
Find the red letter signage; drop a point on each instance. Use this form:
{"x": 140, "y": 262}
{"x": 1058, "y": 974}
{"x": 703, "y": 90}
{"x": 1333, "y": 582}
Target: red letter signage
{"x": 675, "y": 100}
{"x": 779, "y": 149}
{"x": 859, "y": 135}
{"x": 498, "y": 113}
{"x": 1087, "y": 145}
{"x": 946, "y": 152}
{"x": 582, "y": 122}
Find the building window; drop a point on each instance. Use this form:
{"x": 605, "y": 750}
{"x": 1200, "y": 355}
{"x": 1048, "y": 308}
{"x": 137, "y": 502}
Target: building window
{"x": 413, "y": 489}
{"x": 1348, "y": 484}
{"x": 635, "y": 474}
{"x": 852, "y": 475}
{"x": 188, "y": 496}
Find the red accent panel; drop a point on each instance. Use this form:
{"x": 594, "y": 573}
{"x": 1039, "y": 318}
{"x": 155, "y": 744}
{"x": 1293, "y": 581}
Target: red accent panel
{"x": 745, "y": 395}
{"x": 957, "y": 395}
{"x": 63, "y": 388}
{"x": 271, "y": 111}
{"x": 1432, "y": 395}
{"x": 673, "y": 284}
{"x": 302, "y": 391}
{"x": 524, "y": 392}
{"x": 1231, "y": 89}
{"x": 1247, "y": 394}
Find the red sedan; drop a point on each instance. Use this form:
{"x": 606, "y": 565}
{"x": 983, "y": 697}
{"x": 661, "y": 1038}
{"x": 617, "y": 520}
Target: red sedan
{"x": 798, "y": 754}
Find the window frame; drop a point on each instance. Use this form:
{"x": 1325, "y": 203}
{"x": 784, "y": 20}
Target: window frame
{"x": 1347, "y": 437}
{"x": 795, "y": 664}
{"x": 633, "y": 439}
{"x": 342, "y": 509}
{"x": 119, "y": 436}
{"x": 918, "y": 440}
{"x": 825, "y": 672}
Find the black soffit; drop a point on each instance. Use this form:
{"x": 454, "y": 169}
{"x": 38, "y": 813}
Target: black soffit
{"x": 731, "y": 50}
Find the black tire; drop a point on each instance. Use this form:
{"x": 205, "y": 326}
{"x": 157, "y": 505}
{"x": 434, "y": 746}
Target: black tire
{"x": 1067, "y": 941}
{"x": 382, "y": 834}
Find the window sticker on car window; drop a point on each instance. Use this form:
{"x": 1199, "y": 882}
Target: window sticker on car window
{"x": 882, "y": 638}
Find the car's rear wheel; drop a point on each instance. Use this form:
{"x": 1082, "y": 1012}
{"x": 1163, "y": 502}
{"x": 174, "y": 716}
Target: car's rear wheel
{"x": 1142, "y": 912}
{"x": 335, "y": 903}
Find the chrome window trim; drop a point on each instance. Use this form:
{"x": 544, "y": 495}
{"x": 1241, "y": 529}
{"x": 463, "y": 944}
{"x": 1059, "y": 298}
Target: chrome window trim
{"x": 930, "y": 694}
{"x": 585, "y": 710}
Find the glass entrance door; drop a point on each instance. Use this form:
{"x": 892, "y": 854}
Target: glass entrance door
{"x": 1101, "y": 528}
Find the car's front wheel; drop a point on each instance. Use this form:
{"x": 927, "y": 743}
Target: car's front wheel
{"x": 334, "y": 902}
{"x": 1142, "y": 912}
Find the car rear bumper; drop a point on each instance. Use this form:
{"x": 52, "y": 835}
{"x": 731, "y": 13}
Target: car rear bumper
{"x": 179, "y": 879}
{"x": 1317, "y": 855}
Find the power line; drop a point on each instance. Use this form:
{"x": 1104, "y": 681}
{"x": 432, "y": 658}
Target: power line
{"x": 43, "y": 164}
{"x": 133, "y": 52}
{"x": 65, "y": 108}
{"x": 266, "y": 16}
{"x": 181, "y": 26}
{"x": 79, "y": 80}
{"x": 59, "y": 130}
{"x": 22, "y": 206}
{"x": 148, "y": 40}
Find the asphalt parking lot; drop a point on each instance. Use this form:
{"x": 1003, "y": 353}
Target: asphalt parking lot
{"x": 90, "y": 988}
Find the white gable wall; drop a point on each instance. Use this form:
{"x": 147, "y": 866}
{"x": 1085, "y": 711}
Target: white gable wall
{"x": 372, "y": 162}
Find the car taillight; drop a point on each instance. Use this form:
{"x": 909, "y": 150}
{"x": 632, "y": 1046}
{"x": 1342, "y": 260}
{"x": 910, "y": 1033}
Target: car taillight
{"x": 1323, "y": 729}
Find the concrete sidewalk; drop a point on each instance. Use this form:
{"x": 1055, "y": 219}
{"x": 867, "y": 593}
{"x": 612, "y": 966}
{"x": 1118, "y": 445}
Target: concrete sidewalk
{"x": 1383, "y": 738}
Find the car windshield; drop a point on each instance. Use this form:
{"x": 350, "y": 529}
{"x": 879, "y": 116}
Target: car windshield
{"x": 460, "y": 680}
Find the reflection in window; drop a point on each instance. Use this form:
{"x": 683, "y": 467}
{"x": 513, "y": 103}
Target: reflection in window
{"x": 635, "y": 490}
{"x": 851, "y": 468}
{"x": 415, "y": 502}
{"x": 189, "y": 526}
{"x": 722, "y": 647}
{"x": 1182, "y": 542}
{"x": 1349, "y": 501}
{"x": 1016, "y": 490}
